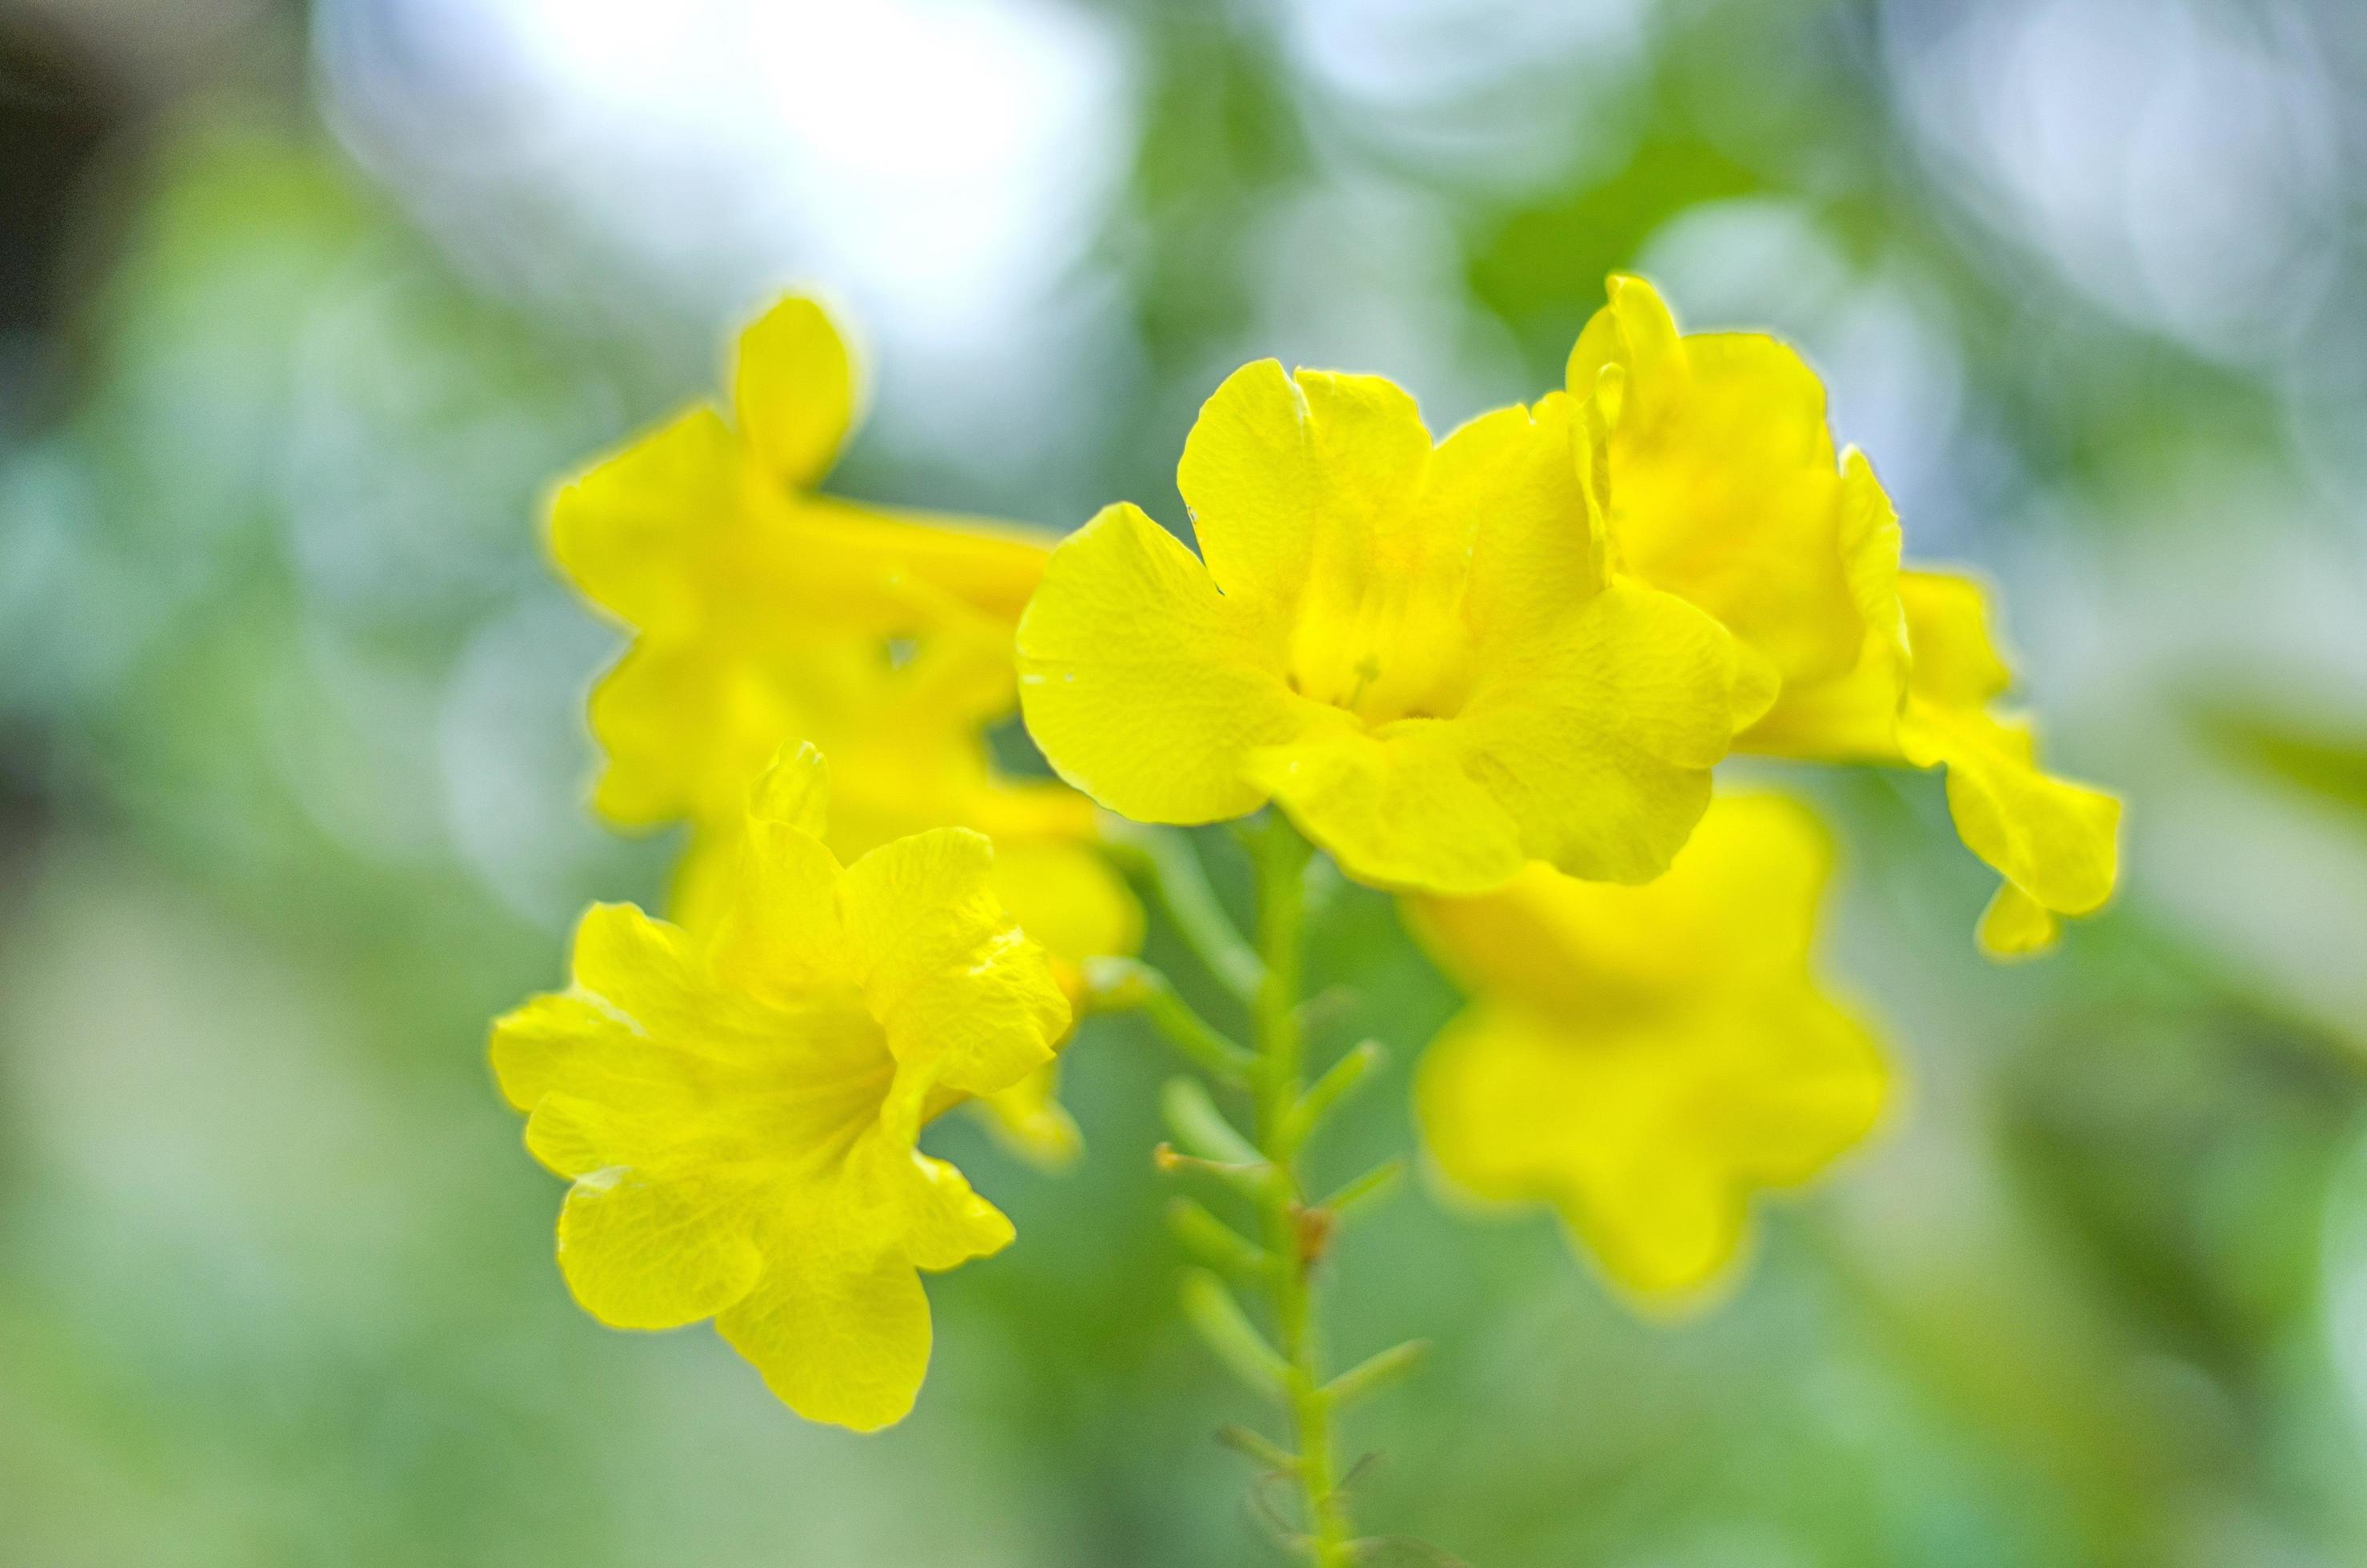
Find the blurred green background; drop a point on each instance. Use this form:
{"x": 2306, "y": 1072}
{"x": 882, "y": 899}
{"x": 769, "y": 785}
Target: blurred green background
{"x": 301, "y": 308}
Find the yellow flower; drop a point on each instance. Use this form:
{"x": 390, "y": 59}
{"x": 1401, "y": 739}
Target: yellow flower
{"x": 738, "y": 1110}
{"x": 764, "y": 614}
{"x": 1645, "y": 1059}
{"x": 762, "y": 611}
{"x": 1724, "y": 488}
{"x": 1416, "y": 651}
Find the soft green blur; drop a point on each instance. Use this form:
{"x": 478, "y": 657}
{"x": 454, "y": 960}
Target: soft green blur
{"x": 292, "y": 777}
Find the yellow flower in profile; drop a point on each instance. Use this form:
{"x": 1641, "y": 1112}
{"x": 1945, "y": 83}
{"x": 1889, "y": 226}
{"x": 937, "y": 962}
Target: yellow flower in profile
{"x": 1724, "y": 487}
{"x": 738, "y": 1110}
{"x": 1645, "y": 1060}
{"x": 1418, "y": 651}
{"x": 763, "y": 613}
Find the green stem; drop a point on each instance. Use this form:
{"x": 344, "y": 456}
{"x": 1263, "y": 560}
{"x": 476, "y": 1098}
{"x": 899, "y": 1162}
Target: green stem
{"x": 1282, "y": 859}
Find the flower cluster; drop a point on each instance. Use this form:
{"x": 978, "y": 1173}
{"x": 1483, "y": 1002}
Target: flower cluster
{"x": 1494, "y": 674}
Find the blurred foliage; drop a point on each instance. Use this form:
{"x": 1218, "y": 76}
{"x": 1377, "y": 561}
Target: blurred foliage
{"x": 294, "y": 772}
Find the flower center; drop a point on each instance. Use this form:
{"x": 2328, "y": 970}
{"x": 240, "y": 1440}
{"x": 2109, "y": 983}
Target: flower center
{"x": 826, "y": 1077}
{"x": 1376, "y": 626}
{"x": 1386, "y": 670}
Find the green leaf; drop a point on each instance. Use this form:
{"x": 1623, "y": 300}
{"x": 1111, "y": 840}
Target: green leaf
{"x": 1337, "y": 1082}
{"x": 1373, "y": 1186}
{"x": 1370, "y": 1377}
{"x": 1113, "y": 985}
{"x": 1217, "y": 1243}
{"x": 1210, "y": 1309}
{"x": 1201, "y": 1129}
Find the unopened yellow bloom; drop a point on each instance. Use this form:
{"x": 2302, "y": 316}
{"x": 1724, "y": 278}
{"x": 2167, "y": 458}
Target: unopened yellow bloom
{"x": 737, "y": 1110}
{"x": 764, "y": 614}
{"x": 1644, "y": 1060}
{"x": 1724, "y": 487}
{"x": 1418, "y": 652}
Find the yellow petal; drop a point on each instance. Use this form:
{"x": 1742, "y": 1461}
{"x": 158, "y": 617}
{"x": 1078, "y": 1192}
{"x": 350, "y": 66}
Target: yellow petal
{"x": 1635, "y": 335}
{"x": 685, "y": 731}
{"x": 860, "y": 553}
{"x": 1956, "y": 664}
{"x": 1854, "y": 716}
{"x": 647, "y": 712}
{"x": 1067, "y": 897}
{"x": 1327, "y": 512}
{"x": 1599, "y": 742}
{"x": 1251, "y": 488}
{"x": 657, "y": 1253}
{"x": 942, "y": 1222}
{"x": 795, "y": 792}
{"x": 2057, "y": 841}
{"x": 1512, "y": 478}
{"x": 793, "y": 388}
{"x": 1032, "y": 809}
{"x": 1650, "y": 1135}
{"x": 1145, "y": 686}
{"x": 701, "y": 885}
{"x": 776, "y": 930}
{"x": 649, "y": 1062}
{"x": 1403, "y": 808}
{"x": 2016, "y": 926}
{"x": 647, "y": 968}
{"x": 603, "y": 1100}
{"x": 840, "y": 1336}
{"x": 962, "y": 993}
{"x": 1292, "y": 482}
{"x": 688, "y": 728}
{"x": 530, "y": 1043}
{"x": 1739, "y": 904}
{"x": 1378, "y": 621}
{"x": 1027, "y": 1119}
{"x": 633, "y": 531}
{"x": 909, "y": 752}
